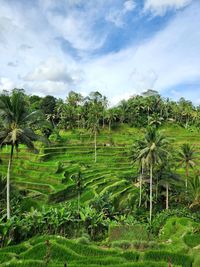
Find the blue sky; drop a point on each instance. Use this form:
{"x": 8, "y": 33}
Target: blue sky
{"x": 118, "y": 47}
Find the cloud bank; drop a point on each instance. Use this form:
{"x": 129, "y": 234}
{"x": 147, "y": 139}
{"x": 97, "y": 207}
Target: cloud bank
{"x": 120, "y": 48}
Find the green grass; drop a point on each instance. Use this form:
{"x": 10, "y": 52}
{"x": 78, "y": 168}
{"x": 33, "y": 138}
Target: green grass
{"x": 61, "y": 250}
{"x": 40, "y": 174}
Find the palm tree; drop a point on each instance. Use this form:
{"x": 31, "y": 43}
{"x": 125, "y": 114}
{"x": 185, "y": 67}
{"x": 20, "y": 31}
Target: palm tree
{"x": 186, "y": 158}
{"x": 16, "y": 129}
{"x": 154, "y": 147}
{"x": 194, "y": 191}
{"x": 111, "y": 116}
{"x": 167, "y": 179}
{"x": 155, "y": 120}
{"x": 79, "y": 186}
{"x": 93, "y": 126}
{"x": 137, "y": 147}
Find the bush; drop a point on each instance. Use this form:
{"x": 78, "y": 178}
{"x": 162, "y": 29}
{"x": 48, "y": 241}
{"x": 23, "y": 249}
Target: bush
{"x": 123, "y": 244}
{"x": 160, "y": 218}
{"x": 140, "y": 244}
{"x": 83, "y": 240}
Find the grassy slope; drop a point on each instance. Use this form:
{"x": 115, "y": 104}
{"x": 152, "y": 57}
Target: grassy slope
{"x": 112, "y": 172}
{"x": 35, "y": 251}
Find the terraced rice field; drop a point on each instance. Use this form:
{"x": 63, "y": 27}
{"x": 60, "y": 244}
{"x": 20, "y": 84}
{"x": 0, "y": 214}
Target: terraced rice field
{"x": 60, "y": 251}
{"x": 50, "y": 173}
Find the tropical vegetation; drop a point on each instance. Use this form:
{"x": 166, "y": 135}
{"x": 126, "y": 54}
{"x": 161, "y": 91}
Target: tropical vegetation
{"x": 80, "y": 179}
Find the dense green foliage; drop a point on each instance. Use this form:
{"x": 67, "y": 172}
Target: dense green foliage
{"x": 125, "y": 177}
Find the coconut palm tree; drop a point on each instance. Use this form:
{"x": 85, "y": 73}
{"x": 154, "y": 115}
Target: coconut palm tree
{"x": 186, "y": 158}
{"x": 16, "y": 129}
{"x": 135, "y": 152}
{"x": 167, "y": 179}
{"x": 194, "y": 191}
{"x": 94, "y": 126}
{"x": 155, "y": 120}
{"x": 77, "y": 178}
{"x": 154, "y": 149}
{"x": 111, "y": 116}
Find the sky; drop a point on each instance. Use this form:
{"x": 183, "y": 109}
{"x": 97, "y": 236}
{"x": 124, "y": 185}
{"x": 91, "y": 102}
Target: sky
{"x": 117, "y": 47}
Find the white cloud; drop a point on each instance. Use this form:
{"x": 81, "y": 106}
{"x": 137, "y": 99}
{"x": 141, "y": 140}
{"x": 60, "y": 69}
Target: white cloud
{"x": 53, "y": 70}
{"x": 159, "y": 7}
{"x": 116, "y": 16}
{"x": 47, "y": 87}
{"x": 6, "y": 84}
{"x": 29, "y": 40}
{"x": 168, "y": 59}
{"x": 76, "y": 25}
{"x": 129, "y": 5}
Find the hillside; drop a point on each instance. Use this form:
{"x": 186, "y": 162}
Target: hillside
{"x": 49, "y": 174}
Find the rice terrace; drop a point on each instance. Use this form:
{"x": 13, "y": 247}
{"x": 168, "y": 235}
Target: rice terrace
{"x": 100, "y": 133}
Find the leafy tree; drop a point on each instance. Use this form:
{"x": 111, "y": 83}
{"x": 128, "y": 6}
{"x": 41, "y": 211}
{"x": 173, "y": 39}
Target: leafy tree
{"x": 47, "y": 105}
{"x": 16, "y": 129}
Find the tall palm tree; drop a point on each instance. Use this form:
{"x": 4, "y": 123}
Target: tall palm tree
{"x": 186, "y": 158}
{"x": 154, "y": 148}
{"x": 135, "y": 152}
{"x": 167, "y": 179}
{"x": 93, "y": 126}
{"x": 16, "y": 129}
{"x": 78, "y": 177}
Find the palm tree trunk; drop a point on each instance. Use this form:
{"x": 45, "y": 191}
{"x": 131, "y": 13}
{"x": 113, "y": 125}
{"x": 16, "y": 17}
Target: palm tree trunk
{"x": 8, "y": 182}
{"x": 141, "y": 175}
{"x": 78, "y": 121}
{"x": 186, "y": 174}
{"x": 156, "y": 188}
{"x": 151, "y": 186}
{"x": 78, "y": 202}
{"x": 95, "y": 146}
{"x": 109, "y": 125}
{"x": 167, "y": 196}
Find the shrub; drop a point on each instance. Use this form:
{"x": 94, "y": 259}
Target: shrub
{"x": 140, "y": 244}
{"x": 124, "y": 244}
{"x": 83, "y": 240}
{"x": 160, "y": 218}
